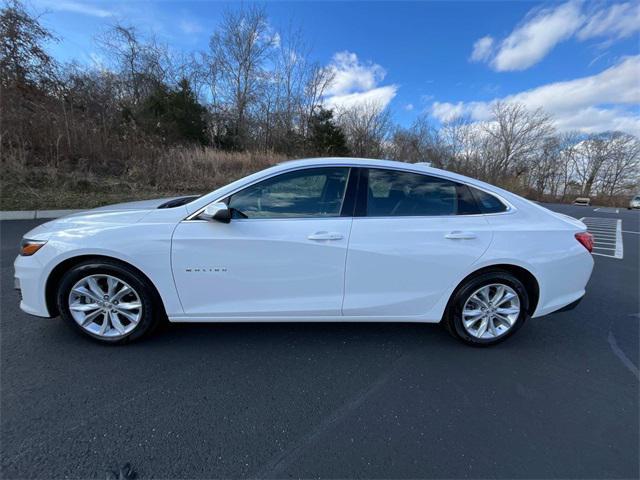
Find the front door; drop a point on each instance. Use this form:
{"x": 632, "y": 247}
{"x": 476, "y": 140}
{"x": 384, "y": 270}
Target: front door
{"x": 282, "y": 255}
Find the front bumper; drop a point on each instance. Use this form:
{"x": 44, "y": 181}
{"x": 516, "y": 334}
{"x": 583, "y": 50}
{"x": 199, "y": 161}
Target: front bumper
{"x": 28, "y": 280}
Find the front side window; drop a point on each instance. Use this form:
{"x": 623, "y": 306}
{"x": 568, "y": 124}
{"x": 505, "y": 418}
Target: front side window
{"x": 313, "y": 192}
{"x": 393, "y": 193}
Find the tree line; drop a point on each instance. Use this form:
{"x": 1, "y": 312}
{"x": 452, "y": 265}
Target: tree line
{"x": 150, "y": 118}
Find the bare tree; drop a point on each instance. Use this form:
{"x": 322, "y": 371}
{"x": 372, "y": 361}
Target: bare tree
{"x": 318, "y": 79}
{"x": 254, "y": 91}
{"x": 621, "y": 170}
{"x": 23, "y": 59}
{"x": 516, "y": 134}
{"x": 465, "y": 146}
{"x": 142, "y": 65}
{"x": 367, "y": 127}
{"x": 418, "y": 143}
{"x": 593, "y": 153}
{"x": 239, "y": 51}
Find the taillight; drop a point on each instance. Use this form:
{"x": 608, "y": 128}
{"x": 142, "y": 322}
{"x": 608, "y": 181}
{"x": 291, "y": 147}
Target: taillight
{"x": 586, "y": 239}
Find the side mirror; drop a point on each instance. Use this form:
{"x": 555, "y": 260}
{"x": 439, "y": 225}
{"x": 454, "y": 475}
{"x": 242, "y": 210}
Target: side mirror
{"x": 218, "y": 211}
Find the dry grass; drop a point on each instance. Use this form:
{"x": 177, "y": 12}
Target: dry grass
{"x": 147, "y": 172}
{"x": 158, "y": 173}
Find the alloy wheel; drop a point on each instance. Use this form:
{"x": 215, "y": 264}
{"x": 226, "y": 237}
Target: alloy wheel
{"x": 105, "y": 306}
{"x": 491, "y": 311}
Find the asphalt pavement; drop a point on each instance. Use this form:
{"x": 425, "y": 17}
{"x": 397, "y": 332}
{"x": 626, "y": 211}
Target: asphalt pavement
{"x": 558, "y": 400}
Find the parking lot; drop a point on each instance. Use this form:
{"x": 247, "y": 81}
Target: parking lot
{"x": 559, "y": 399}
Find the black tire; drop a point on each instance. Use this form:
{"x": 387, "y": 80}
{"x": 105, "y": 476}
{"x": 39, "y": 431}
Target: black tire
{"x": 151, "y": 305}
{"x": 453, "y": 314}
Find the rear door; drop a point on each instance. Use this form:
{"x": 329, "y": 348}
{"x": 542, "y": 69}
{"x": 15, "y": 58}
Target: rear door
{"x": 413, "y": 237}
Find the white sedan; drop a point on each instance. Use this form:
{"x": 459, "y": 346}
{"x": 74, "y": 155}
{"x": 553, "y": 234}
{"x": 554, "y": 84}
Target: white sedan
{"x": 311, "y": 240}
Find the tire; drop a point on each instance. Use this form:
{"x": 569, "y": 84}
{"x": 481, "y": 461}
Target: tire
{"x": 82, "y": 306}
{"x": 470, "y": 295}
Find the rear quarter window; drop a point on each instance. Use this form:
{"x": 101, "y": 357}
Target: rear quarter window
{"x": 487, "y": 202}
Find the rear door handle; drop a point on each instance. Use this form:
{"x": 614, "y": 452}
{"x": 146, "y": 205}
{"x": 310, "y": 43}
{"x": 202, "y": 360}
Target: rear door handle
{"x": 325, "y": 236}
{"x": 457, "y": 235}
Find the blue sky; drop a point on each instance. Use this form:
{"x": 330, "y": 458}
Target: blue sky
{"x": 580, "y": 61}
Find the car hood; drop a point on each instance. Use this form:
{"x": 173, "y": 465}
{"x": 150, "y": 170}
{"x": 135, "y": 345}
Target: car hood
{"x": 118, "y": 214}
{"x": 138, "y": 205}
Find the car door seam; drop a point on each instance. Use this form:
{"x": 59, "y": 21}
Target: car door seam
{"x": 173, "y": 276}
{"x": 344, "y": 270}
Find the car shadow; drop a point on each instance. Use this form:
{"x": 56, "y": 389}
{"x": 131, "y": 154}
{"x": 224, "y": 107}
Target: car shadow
{"x": 299, "y": 332}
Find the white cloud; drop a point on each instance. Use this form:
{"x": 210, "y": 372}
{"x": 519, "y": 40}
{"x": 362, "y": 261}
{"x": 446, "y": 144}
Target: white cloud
{"x": 356, "y": 83}
{"x": 350, "y": 74}
{"x": 542, "y": 29}
{"x": 482, "y": 49}
{"x": 380, "y": 96}
{"x": 77, "y": 7}
{"x": 619, "y": 21}
{"x": 445, "y": 111}
{"x": 532, "y": 40}
{"x": 409, "y": 107}
{"x": 190, "y": 27}
{"x": 615, "y": 85}
{"x": 605, "y": 101}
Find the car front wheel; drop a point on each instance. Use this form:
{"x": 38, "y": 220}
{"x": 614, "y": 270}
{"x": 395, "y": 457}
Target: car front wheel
{"x": 488, "y": 308}
{"x": 107, "y": 301}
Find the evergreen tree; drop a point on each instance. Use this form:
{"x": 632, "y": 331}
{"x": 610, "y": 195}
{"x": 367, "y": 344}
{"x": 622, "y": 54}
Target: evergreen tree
{"x": 325, "y": 137}
{"x": 175, "y": 115}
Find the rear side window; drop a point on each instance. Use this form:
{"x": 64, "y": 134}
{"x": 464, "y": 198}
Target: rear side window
{"x": 487, "y": 202}
{"x": 393, "y": 193}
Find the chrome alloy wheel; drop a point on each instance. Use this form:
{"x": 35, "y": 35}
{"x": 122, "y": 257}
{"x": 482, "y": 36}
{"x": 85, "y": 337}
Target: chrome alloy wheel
{"x": 105, "y": 306}
{"x": 491, "y": 311}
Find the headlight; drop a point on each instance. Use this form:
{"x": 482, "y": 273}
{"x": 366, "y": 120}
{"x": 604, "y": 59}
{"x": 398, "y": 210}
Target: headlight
{"x": 29, "y": 247}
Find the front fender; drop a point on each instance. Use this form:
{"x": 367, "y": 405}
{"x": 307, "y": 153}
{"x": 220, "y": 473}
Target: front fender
{"x": 147, "y": 247}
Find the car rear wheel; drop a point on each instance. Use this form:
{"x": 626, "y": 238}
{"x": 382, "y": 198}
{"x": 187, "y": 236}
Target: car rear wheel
{"x": 488, "y": 309}
{"x": 107, "y": 301}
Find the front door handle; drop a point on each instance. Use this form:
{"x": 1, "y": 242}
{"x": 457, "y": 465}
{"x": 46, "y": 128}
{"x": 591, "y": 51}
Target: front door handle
{"x": 458, "y": 235}
{"x": 325, "y": 236}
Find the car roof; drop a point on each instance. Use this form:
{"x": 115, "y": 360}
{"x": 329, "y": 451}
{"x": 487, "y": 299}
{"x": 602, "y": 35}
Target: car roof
{"x": 421, "y": 167}
{"x": 352, "y": 161}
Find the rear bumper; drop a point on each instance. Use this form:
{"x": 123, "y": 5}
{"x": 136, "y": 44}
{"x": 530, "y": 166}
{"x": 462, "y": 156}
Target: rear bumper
{"x": 563, "y": 281}
{"x": 566, "y": 308}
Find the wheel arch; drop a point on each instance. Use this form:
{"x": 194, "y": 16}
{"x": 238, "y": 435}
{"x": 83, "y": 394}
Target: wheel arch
{"x": 527, "y": 278}
{"x": 64, "y": 266}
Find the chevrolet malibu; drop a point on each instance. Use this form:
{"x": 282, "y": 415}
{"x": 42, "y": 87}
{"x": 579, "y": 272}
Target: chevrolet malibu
{"x": 311, "y": 240}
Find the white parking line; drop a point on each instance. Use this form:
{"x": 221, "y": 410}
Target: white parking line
{"x": 619, "y": 246}
{"x": 607, "y": 236}
{"x": 607, "y": 210}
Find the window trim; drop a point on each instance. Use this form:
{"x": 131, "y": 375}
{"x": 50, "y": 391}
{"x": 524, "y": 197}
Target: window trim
{"x": 225, "y": 199}
{"x": 193, "y": 217}
{"x": 507, "y": 206}
{"x": 361, "y": 204}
